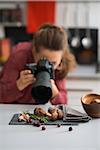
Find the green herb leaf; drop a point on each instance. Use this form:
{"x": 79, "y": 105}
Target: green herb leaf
{"x": 40, "y": 118}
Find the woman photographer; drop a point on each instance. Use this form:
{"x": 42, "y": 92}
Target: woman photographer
{"x": 49, "y": 42}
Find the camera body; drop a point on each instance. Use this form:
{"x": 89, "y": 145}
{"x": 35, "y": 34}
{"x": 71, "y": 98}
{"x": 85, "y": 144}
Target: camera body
{"x": 43, "y": 72}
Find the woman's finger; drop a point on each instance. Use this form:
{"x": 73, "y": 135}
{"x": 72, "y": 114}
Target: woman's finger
{"x": 25, "y": 72}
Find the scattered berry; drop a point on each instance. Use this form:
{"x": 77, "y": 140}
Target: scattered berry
{"x": 29, "y": 120}
{"x": 70, "y": 129}
{"x": 36, "y": 124}
{"x": 43, "y": 128}
{"x": 58, "y": 125}
{"x": 41, "y": 121}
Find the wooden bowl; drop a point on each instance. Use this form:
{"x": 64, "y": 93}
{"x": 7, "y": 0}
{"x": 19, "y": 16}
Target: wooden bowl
{"x": 91, "y": 104}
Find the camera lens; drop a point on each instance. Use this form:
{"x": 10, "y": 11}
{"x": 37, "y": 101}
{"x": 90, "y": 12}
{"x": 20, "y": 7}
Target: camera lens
{"x": 42, "y": 94}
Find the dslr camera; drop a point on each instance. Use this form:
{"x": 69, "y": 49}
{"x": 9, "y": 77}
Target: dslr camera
{"x": 43, "y": 72}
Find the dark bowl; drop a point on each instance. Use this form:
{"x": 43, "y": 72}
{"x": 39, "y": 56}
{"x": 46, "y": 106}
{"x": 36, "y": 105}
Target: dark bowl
{"x": 91, "y": 104}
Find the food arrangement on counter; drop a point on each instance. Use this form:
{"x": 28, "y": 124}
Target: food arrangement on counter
{"x": 54, "y": 115}
{"x": 41, "y": 115}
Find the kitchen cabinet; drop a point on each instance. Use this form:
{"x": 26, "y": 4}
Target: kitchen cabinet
{"x": 12, "y": 14}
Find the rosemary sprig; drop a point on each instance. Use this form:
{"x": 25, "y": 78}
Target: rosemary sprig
{"x": 40, "y": 118}
{"x": 43, "y": 119}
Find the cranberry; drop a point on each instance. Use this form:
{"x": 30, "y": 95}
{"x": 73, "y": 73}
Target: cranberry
{"x": 70, "y": 129}
{"x": 36, "y": 124}
{"x": 58, "y": 125}
{"x": 29, "y": 120}
{"x": 43, "y": 128}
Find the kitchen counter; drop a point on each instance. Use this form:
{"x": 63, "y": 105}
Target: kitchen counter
{"x": 85, "y": 136}
{"x": 85, "y": 72}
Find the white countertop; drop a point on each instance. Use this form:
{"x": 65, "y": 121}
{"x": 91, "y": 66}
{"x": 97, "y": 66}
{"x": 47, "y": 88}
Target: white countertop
{"x": 85, "y": 71}
{"x": 85, "y": 136}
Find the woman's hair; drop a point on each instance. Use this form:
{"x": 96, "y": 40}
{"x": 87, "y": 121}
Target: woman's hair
{"x": 52, "y": 37}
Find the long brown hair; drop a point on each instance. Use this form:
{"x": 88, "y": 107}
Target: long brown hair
{"x": 53, "y": 38}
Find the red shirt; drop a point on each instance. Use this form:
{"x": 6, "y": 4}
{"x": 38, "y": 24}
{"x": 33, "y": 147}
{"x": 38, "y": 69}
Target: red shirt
{"x": 9, "y": 93}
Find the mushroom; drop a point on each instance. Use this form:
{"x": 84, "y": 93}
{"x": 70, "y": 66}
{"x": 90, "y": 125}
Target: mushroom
{"x": 60, "y": 114}
{"x": 41, "y": 112}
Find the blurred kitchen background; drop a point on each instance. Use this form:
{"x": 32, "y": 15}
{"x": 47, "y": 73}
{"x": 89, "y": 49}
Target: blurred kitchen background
{"x": 79, "y": 18}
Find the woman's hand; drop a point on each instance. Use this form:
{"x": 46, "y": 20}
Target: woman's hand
{"x": 55, "y": 90}
{"x": 26, "y": 78}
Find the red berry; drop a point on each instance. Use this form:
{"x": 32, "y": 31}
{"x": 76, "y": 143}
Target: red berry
{"x": 58, "y": 125}
{"x": 36, "y": 124}
{"x": 70, "y": 129}
{"x": 29, "y": 120}
{"x": 43, "y": 128}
